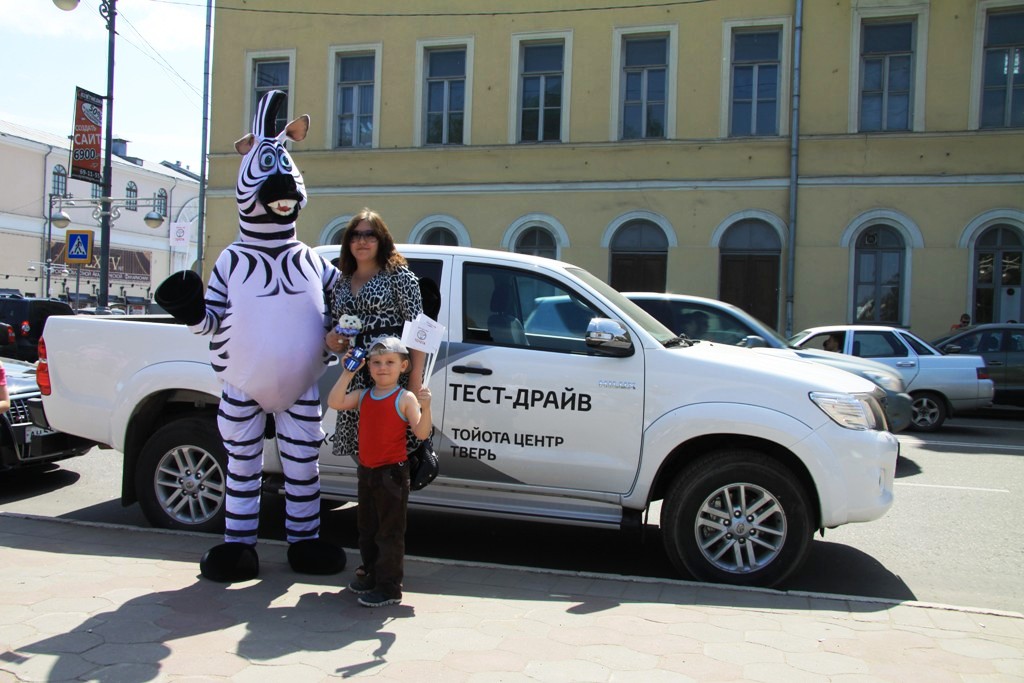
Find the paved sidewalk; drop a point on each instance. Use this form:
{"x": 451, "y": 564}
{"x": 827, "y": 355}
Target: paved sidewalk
{"x": 87, "y": 602}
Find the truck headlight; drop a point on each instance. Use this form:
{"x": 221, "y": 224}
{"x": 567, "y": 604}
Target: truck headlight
{"x": 852, "y": 411}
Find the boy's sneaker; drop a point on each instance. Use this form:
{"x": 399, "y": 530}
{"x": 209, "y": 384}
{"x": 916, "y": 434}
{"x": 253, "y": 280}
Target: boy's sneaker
{"x": 361, "y": 585}
{"x": 378, "y": 599}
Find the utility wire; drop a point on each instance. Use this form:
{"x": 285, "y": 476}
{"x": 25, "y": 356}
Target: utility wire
{"x": 496, "y": 13}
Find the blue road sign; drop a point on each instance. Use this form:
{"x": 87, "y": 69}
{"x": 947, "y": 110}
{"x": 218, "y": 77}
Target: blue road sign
{"x": 79, "y": 249}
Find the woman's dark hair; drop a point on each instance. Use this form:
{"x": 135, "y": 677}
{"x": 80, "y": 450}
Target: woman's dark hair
{"x": 388, "y": 257}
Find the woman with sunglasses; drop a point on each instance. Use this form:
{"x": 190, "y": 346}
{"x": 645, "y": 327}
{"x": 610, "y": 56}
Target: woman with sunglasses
{"x": 377, "y": 286}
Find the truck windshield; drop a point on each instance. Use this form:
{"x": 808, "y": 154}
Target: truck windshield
{"x": 637, "y": 314}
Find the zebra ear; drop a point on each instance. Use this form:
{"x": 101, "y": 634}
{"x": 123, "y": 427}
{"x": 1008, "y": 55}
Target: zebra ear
{"x": 297, "y": 129}
{"x": 245, "y": 144}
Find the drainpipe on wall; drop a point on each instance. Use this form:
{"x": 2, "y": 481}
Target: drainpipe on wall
{"x": 794, "y": 163}
{"x": 44, "y": 247}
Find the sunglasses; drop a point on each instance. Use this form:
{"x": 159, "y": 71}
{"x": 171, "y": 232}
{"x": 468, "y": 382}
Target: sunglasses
{"x": 363, "y": 235}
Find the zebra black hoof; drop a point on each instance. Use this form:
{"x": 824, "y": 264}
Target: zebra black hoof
{"x": 230, "y": 562}
{"x": 316, "y": 556}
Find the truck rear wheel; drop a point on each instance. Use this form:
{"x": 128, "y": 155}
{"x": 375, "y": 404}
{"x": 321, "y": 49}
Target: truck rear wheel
{"x": 736, "y": 517}
{"x": 181, "y": 476}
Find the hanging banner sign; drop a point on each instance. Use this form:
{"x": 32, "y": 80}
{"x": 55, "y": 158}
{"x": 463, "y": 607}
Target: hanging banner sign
{"x": 180, "y": 234}
{"x": 85, "y": 148}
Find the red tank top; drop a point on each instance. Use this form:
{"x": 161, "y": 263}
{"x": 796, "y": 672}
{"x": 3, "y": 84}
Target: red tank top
{"x": 381, "y": 429}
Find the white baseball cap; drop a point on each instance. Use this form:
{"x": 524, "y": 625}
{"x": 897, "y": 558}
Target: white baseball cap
{"x": 387, "y": 344}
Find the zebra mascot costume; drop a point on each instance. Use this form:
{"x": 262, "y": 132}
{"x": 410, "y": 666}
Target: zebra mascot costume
{"x": 266, "y": 307}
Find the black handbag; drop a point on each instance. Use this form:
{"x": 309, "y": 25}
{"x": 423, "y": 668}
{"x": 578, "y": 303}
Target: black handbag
{"x": 423, "y": 465}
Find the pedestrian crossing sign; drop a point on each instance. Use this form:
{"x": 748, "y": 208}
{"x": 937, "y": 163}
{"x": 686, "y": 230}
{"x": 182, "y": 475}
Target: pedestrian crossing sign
{"x": 79, "y": 249}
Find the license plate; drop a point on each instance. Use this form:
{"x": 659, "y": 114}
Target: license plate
{"x": 35, "y": 432}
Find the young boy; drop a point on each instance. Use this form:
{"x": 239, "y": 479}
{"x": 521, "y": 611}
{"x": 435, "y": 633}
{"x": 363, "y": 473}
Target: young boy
{"x": 385, "y": 410}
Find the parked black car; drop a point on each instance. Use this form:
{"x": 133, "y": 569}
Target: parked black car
{"x": 27, "y": 317}
{"x": 1002, "y": 347}
{"x": 23, "y": 443}
{"x": 8, "y": 341}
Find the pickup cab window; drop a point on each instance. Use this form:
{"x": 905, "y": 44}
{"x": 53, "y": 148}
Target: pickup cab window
{"x": 509, "y": 307}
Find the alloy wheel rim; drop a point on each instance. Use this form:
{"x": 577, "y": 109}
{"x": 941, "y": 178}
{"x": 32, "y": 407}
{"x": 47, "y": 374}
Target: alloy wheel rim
{"x": 740, "y": 528}
{"x": 190, "y": 485}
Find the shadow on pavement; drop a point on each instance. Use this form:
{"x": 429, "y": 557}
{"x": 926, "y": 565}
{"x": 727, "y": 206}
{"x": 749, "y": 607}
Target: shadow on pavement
{"x": 16, "y": 485}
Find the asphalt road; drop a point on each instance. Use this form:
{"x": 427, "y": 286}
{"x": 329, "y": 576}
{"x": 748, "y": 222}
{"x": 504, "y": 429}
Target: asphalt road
{"x": 951, "y": 538}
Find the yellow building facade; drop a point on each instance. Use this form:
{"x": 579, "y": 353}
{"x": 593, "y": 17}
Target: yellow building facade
{"x": 813, "y": 162}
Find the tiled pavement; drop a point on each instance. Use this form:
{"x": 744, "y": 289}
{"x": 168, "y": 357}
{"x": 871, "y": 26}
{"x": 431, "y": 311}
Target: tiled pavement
{"x": 86, "y": 602}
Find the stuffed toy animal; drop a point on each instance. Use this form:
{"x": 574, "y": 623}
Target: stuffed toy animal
{"x": 266, "y": 309}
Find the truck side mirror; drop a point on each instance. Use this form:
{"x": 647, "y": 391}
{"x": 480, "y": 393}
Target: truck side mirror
{"x": 609, "y": 338}
{"x": 753, "y": 341}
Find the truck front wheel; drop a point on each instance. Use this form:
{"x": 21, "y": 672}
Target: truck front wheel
{"x": 180, "y": 478}
{"x": 736, "y": 517}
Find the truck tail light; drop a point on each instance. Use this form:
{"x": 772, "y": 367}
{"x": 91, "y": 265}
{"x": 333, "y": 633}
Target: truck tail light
{"x": 11, "y": 339}
{"x": 25, "y": 328}
{"x": 983, "y": 373}
{"x": 43, "y": 370}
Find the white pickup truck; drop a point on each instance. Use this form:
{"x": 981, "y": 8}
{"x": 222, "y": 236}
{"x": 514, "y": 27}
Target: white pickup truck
{"x": 555, "y": 399}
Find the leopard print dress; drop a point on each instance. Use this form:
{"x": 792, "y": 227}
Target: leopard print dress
{"x": 383, "y": 304}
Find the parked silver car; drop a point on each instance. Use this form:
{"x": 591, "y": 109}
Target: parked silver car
{"x": 941, "y": 386}
{"x": 713, "y": 320}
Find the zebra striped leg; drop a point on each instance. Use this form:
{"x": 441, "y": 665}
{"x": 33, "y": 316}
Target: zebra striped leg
{"x": 241, "y": 422}
{"x": 299, "y": 435}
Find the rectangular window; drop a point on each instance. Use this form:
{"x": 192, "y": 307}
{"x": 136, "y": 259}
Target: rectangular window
{"x": 755, "y": 83}
{"x": 643, "y": 89}
{"x": 271, "y": 75}
{"x": 354, "y": 105}
{"x": 1002, "y": 96}
{"x": 60, "y": 181}
{"x": 887, "y": 76}
{"x": 97, "y": 191}
{"x": 445, "y": 96}
{"x": 540, "y": 93}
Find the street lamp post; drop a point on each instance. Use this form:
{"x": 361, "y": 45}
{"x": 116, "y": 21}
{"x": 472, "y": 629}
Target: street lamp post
{"x": 108, "y": 10}
{"x": 59, "y": 219}
{"x": 105, "y": 210}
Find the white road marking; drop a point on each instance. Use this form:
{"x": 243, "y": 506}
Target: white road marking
{"x": 956, "y": 488}
{"x": 913, "y": 441}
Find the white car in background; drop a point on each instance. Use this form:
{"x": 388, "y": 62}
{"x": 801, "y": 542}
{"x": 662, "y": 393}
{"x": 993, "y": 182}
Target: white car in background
{"x": 941, "y": 386}
{"x": 724, "y": 323}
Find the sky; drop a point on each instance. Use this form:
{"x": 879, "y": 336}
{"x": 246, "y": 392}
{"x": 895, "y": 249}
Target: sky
{"x": 158, "y": 76}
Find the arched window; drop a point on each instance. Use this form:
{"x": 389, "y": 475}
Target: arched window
{"x": 639, "y": 257}
{"x": 997, "y": 276}
{"x": 536, "y": 241}
{"x": 750, "y": 253}
{"x": 161, "y": 202}
{"x": 60, "y": 180}
{"x": 878, "y": 276}
{"x": 131, "y": 193}
{"x": 440, "y": 236}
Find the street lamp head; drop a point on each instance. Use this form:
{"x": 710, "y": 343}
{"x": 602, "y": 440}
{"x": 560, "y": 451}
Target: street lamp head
{"x": 66, "y": 5}
{"x": 154, "y": 219}
{"x": 60, "y": 219}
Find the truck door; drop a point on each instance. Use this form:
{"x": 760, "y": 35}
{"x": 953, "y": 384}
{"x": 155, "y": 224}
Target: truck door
{"x": 525, "y": 403}
{"x": 430, "y": 271}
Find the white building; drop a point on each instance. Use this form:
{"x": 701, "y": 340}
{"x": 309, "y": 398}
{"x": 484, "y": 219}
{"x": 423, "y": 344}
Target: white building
{"x": 34, "y": 179}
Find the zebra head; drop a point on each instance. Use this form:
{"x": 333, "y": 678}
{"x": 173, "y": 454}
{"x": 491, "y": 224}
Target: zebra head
{"x": 270, "y": 190}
